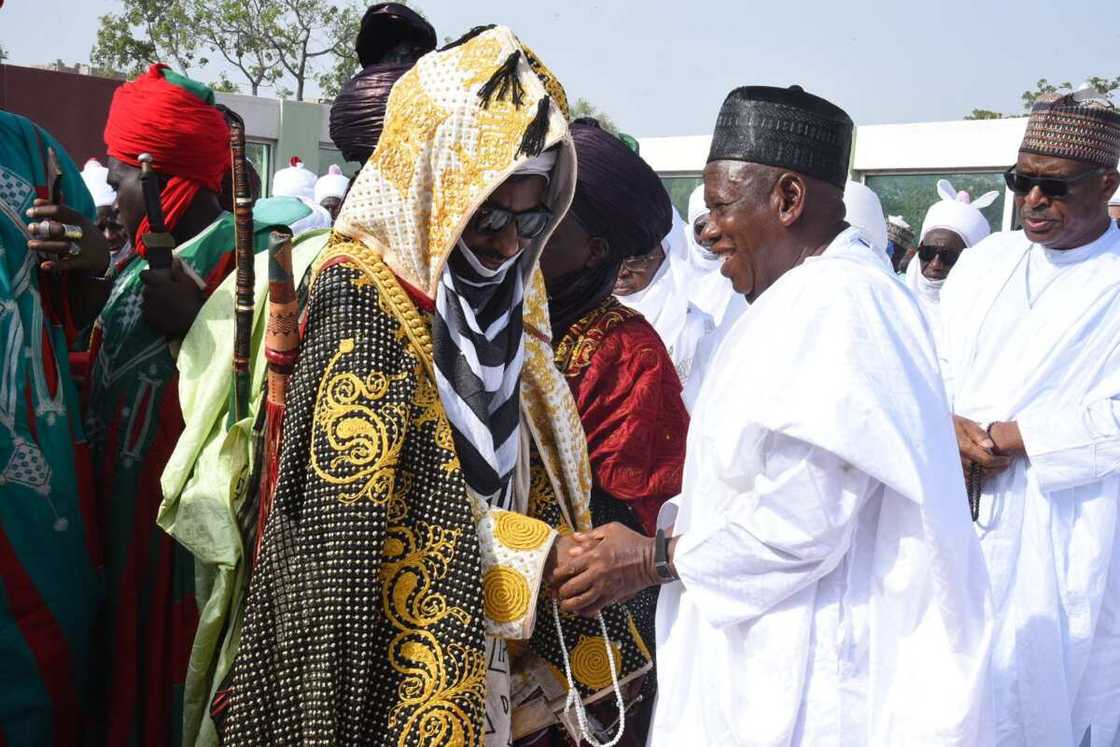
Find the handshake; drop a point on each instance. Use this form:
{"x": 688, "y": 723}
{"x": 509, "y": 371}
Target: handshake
{"x": 589, "y": 570}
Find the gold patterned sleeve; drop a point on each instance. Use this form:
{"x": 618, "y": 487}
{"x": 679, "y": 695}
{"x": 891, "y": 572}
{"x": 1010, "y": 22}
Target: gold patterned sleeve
{"x": 514, "y": 552}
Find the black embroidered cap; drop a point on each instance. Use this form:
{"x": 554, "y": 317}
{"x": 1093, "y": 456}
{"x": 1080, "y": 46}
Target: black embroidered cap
{"x": 787, "y": 128}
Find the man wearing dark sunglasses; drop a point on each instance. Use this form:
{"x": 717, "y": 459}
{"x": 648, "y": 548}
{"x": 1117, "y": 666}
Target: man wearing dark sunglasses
{"x": 1031, "y": 357}
{"x": 952, "y": 224}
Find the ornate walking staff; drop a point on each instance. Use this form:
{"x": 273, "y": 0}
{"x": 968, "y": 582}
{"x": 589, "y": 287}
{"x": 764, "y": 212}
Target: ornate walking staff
{"x": 159, "y": 242}
{"x": 243, "y": 308}
{"x": 281, "y": 348}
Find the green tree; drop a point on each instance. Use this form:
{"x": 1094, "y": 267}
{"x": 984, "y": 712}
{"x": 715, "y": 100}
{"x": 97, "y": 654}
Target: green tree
{"x": 584, "y": 108}
{"x": 224, "y": 85}
{"x": 305, "y": 30}
{"x": 983, "y": 114}
{"x": 1103, "y": 86}
{"x": 146, "y": 31}
{"x": 237, "y": 31}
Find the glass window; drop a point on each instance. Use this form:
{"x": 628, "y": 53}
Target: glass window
{"x": 911, "y": 195}
{"x": 679, "y": 189}
{"x": 260, "y": 155}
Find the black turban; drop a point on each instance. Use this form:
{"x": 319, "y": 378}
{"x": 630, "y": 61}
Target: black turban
{"x": 386, "y": 28}
{"x": 787, "y": 128}
{"x": 358, "y": 112}
{"x": 618, "y": 196}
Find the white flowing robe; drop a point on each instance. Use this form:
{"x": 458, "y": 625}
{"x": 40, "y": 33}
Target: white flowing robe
{"x": 1033, "y": 335}
{"x": 832, "y": 590}
{"x": 665, "y": 303}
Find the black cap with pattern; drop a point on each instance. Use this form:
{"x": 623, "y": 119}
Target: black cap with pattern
{"x": 1080, "y": 130}
{"x": 787, "y": 128}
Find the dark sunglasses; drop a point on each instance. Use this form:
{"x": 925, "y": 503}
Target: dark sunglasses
{"x": 1051, "y": 186}
{"x": 949, "y": 257}
{"x": 491, "y": 219}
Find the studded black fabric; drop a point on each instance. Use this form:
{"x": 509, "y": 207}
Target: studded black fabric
{"x": 363, "y": 620}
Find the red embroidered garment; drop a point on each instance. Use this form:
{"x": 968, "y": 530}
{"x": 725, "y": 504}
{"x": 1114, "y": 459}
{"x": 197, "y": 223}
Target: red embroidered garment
{"x": 629, "y": 399}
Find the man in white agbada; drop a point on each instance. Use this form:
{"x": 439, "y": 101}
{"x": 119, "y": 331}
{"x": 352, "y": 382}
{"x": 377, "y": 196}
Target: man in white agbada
{"x": 297, "y": 181}
{"x": 330, "y": 190}
{"x": 952, "y": 224}
{"x": 1031, "y": 357}
{"x": 863, "y": 210}
{"x": 710, "y": 292}
{"x": 657, "y": 285}
{"x": 822, "y": 581}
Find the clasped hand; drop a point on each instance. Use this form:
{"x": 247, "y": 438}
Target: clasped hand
{"x": 607, "y": 565}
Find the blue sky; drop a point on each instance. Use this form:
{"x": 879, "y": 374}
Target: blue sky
{"x": 662, "y": 68}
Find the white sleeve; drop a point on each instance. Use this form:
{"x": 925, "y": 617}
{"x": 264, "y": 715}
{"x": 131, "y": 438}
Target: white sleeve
{"x": 1070, "y": 448}
{"x": 778, "y": 534}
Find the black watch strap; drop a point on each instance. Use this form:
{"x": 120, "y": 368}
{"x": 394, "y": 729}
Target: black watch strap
{"x": 661, "y": 557}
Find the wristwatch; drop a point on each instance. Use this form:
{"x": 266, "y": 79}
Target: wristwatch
{"x": 661, "y": 558}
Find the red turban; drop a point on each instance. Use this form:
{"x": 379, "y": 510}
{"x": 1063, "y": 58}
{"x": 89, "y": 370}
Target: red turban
{"x": 187, "y": 137}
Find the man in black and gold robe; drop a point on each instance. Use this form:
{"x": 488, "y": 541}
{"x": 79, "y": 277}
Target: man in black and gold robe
{"x": 432, "y": 459}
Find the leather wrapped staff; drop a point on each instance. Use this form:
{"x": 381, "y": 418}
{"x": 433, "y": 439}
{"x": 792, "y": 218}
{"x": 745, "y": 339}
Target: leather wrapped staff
{"x": 243, "y": 247}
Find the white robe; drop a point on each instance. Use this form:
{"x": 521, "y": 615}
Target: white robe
{"x": 832, "y": 587}
{"x": 1048, "y": 525}
{"x": 928, "y": 293}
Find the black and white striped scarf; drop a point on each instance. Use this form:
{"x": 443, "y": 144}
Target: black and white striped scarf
{"x": 478, "y": 351}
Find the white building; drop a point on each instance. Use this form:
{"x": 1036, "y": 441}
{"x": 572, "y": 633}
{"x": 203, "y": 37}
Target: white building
{"x": 901, "y": 163}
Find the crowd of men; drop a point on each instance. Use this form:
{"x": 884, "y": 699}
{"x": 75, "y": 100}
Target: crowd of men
{"x": 546, "y": 462}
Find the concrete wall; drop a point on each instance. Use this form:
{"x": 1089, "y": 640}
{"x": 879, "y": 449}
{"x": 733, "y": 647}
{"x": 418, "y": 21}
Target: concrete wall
{"x": 71, "y": 107}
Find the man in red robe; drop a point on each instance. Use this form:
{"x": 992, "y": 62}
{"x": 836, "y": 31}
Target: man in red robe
{"x": 626, "y": 389}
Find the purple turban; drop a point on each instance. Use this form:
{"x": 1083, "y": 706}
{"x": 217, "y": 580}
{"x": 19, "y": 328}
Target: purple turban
{"x": 618, "y": 196}
{"x": 358, "y": 112}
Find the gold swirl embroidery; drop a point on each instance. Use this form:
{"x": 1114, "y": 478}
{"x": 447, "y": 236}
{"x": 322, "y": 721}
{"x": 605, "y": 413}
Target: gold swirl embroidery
{"x": 519, "y": 532}
{"x": 411, "y": 560}
{"x": 582, "y": 340}
{"x": 431, "y": 410}
{"x": 444, "y": 687}
{"x": 638, "y": 640}
{"x": 505, "y": 594}
{"x": 363, "y": 441}
{"x": 589, "y": 662}
{"x": 540, "y": 492}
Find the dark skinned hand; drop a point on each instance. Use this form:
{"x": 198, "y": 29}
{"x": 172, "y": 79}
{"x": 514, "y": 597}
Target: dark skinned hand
{"x": 977, "y": 447}
{"x": 609, "y": 564}
{"x": 560, "y": 548}
{"x": 171, "y": 300}
{"x": 53, "y": 247}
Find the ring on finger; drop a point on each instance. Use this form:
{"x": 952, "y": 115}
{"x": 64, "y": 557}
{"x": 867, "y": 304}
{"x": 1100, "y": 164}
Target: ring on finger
{"x": 44, "y": 229}
{"x": 70, "y": 232}
{"x": 72, "y": 249}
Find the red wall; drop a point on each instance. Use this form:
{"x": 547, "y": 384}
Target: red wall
{"x": 71, "y": 107}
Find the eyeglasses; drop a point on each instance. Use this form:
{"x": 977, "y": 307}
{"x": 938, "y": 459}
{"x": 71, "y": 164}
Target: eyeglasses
{"x": 949, "y": 257}
{"x": 491, "y": 219}
{"x": 641, "y": 264}
{"x": 1054, "y": 187}
{"x": 698, "y": 227}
